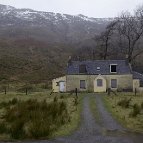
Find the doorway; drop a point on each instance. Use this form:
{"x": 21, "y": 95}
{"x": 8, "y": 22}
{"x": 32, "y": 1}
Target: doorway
{"x": 100, "y": 84}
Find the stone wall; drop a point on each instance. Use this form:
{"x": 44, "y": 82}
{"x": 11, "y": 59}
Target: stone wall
{"x": 124, "y": 82}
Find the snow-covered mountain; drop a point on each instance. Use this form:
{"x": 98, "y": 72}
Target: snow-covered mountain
{"x": 52, "y": 27}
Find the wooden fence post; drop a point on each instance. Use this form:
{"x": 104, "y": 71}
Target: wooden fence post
{"x": 76, "y": 92}
{"x": 109, "y": 90}
{"x": 135, "y": 91}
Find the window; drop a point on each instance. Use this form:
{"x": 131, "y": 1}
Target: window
{"x": 98, "y": 68}
{"x": 57, "y": 83}
{"x": 113, "y": 68}
{"x": 82, "y": 69}
{"x": 113, "y": 83}
{"x": 82, "y": 84}
{"x": 99, "y": 82}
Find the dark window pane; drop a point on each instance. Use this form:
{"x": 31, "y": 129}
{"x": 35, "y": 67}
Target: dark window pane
{"x": 113, "y": 68}
{"x": 57, "y": 83}
{"x": 99, "y": 82}
{"x": 82, "y": 69}
{"x": 82, "y": 84}
{"x": 113, "y": 83}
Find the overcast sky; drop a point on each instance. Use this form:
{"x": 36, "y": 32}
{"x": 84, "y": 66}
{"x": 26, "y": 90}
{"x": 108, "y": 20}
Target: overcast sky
{"x": 91, "y": 8}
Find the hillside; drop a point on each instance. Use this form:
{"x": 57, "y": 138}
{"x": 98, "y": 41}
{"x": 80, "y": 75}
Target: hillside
{"x": 35, "y": 45}
{"x": 48, "y": 26}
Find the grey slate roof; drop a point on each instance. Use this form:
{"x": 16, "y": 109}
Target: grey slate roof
{"x": 91, "y": 67}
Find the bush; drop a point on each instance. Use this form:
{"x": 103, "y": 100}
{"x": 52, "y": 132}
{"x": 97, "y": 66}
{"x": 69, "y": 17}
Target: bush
{"x": 62, "y": 96}
{"x": 13, "y": 101}
{"x": 3, "y": 128}
{"x": 136, "y": 110}
{"x": 55, "y": 99}
{"x": 16, "y": 130}
{"x": 33, "y": 119}
{"x": 38, "y": 129}
{"x": 75, "y": 101}
{"x": 125, "y": 103}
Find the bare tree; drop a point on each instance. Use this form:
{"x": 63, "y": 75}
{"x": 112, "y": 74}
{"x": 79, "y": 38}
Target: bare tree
{"x": 130, "y": 30}
{"x": 104, "y": 40}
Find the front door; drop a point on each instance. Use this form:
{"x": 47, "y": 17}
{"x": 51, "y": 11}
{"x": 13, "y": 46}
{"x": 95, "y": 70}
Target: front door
{"x": 62, "y": 86}
{"x": 100, "y": 84}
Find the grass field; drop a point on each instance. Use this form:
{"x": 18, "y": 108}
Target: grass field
{"x": 12, "y": 102}
{"x": 124, "y": 108}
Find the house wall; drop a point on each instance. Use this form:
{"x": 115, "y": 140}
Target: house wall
{"x": 55, "y": 86}
{"x": 140, "y": 90}
{"x": 136, "y": 84}
{"x": 124, "y": 82}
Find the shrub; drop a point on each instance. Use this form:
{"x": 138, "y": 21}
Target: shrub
{"x": 125, "y": 103}
{"x": 13, "y": 101}
{"x": 75, "y": 101}
{"x": 38, "y": 129}
{"x": 16, "y": 130}
{"x": 136, "y": 110}
{"x": 35, "y": 119}
{"x": 55, "y": 99}
{"x": 3, "y": 128}
{"x": 62, "y": 96}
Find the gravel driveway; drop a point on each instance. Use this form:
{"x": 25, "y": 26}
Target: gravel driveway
{"x": 109, "y": 131}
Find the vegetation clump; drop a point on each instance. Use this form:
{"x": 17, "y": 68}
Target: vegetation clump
{"x": 62, "y": 97}
{"x": 125, "y": 103}
{"x": 136, "y": 110}
{"x": 33, "y": 119}
{"x": 55, "y": 99}
{"x": 75, "y": 101}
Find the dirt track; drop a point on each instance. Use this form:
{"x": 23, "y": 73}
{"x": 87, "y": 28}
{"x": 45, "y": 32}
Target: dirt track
{"x": 109, "y": 131}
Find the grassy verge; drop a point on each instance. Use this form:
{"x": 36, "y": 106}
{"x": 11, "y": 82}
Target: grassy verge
{"x": 122, "y": 106}
{"x": 39, "y": 115}
{"x": 75, "y": 114}
{"x": 94, "y": 109}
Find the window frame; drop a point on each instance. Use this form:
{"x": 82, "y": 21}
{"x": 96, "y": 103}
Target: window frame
{"x": 57, "y": 83}
{"x": 111, "y": 68}
{"x": 98, "y": 85}
{"x": 83, "y": 69}
{"x": 116, "y": 83}
{"x": 81, "y": 87}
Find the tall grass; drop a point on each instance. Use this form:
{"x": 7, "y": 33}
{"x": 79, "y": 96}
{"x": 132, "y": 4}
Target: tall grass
{"x": 33, "y": 119}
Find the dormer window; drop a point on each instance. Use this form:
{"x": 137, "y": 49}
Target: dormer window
{"x": 82, "y": 69}
{"x": 98, "y": 68}
{"x": 113, "y": 68}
